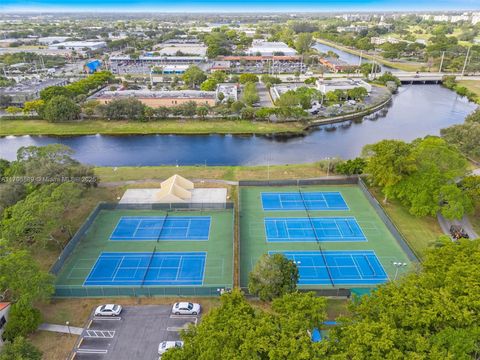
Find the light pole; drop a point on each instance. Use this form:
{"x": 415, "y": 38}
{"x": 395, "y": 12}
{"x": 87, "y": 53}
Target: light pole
{"x": 398, "y": 265}
{"x": 68, "y": 326}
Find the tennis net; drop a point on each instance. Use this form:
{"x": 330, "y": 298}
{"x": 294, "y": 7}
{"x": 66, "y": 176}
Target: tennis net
{"x": 316, "y": 237}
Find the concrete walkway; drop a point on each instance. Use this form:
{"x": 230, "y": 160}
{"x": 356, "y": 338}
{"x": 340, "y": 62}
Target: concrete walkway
{"x": 61, "y": 329}
{"x": 464, "y": 223}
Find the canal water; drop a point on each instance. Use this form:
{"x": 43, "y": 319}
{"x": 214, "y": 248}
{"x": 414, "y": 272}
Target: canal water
{"x": 416, "y": 111}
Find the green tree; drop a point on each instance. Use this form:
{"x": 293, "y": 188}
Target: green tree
{"x": 358, "y": 93}
{"x": 427, "y": 314}
{"x": 351, "y": 167}
{"x": 35, "y": 219}
{"x": 202, "y": 111}
{"x": 304, "y": 42}
{"x": 21, "y": 278}
{"x": 34, "y": 106}
{"x": 388, "y": 162}
{"x": 209, "y": 85}
{"x": 235, "y": 330}
{"x": 124, "y": 109}
{"x": 273, "y": 276}
{"x": 20, "y": 349}
{"x": 61, "y": 109}
{"x": 437, "y": 167}
{"x": 193, "y": 77}
{"x": 250, "y": 94}
{"x": 247, "y": 78}
{"x": 50, "y": 92}
{"x": 23, "y": 320}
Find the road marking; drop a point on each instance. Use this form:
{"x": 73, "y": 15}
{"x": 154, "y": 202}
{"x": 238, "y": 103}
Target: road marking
{"x": 99, "y": 334}
{"x": 97, "y": 318}
{"x": 91, "y": 351}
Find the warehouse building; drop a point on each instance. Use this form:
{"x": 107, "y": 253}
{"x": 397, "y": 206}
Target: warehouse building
{"x": 79, "y": 45}
{"x": 268, "y": 48}
{"x": 159, "y": 98}
{"x": 29, "y": 90}
{"x": 325, "y": 86}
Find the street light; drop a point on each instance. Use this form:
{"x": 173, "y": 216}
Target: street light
{"x": 398, "y": 265}
{"x": 68, "y": 326}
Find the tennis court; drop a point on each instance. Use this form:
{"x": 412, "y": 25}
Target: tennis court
{"x": 337, "y": 220}
{"x": 154, "y": 268}
{"x": 322, "y": 200}
{"x": 145, "y": 228}
{"x": 140, "y": 266}
{"x": 313, "y": 229}
{"x": 337, "y": 267}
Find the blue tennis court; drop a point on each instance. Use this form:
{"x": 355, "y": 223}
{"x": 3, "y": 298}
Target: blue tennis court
{"x": 145, "y": 228}
{"x": 323, "y": 200}
{"x": 345, "y": 267}
{"x": 324, "y": 229}
{"x": 147, "y": 269}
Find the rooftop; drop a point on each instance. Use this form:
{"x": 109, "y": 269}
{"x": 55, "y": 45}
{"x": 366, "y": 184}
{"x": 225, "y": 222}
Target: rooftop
{"x": 156, "y": 94}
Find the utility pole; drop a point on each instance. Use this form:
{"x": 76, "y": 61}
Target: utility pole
{"x": 361, "y": 58}
{"x": 441, "y": 62}
{"x": 465, "y": 63}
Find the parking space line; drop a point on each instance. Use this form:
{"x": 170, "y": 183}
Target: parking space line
{"x": 99, "y": 334}
{"x": 91, "y": 351}
{"x": 97, "y": 318}
{"x": 183, "y": 316}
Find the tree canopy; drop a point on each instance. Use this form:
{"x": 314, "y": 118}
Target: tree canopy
{"x": 237, "y": 330}
{"x": 273, "y": 276}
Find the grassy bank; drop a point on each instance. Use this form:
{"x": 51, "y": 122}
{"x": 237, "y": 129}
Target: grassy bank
{"x": 472, "y": 85}
{"x": 394, "y": 64}
{"x": 132, "y": 173}
{"x": 92, "y": 127}
{"x": 419, "y": 232}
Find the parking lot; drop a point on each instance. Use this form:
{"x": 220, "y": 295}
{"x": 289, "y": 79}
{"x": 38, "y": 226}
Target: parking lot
{"x": 135, "y": 334}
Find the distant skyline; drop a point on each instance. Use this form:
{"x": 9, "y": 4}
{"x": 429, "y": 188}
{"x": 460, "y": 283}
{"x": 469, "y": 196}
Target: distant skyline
{"x": 235, "y": 5}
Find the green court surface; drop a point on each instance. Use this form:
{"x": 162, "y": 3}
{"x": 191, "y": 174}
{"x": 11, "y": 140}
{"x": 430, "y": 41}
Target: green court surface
{"x": 218, "y": 270}
{"x": 253, "y": 241}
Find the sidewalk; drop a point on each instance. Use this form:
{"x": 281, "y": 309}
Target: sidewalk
{"x": 61, "y": 329}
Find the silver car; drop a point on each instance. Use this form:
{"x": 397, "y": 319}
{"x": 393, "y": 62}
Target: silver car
{"x": 186, "y": 308}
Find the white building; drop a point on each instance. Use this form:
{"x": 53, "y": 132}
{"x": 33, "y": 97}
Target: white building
{"x": 325, "y": 86}
{"x": 380, "y": 41}
{"x": 173, "y": 49}
{"x": 4, "y": 310}
{"x": 441, "y": 18}
{"x": 79, "y": 45}
{"x": 48, "y": 40}
{"x": 266, "y": 48}
{"x": 229, "y": 91}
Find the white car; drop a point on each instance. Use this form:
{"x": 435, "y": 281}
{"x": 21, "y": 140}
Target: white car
{"x": 165, "y": 345}
{"x": 108, "y": 310}
{"x": 186, "y": 308}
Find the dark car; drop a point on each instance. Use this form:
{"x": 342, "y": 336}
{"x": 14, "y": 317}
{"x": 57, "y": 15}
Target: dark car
{"x": 458, "y": 232}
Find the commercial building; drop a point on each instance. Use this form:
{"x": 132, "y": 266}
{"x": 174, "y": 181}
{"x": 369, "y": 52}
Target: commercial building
{"x": 48, "y": 40}
{"x": 29, "y": 90}
{"x": 143, "y": 65}
{"x": 155, "y": 99}
{"x": 229, "y": 91}
{"x": 269, "y": 64}
{"x": 336, "y": 65}
{"x": 266, "y": 48}
{"x": 325, "y": 86}
{"x": 79, "y": 45}
{"x": 181, "y": 49}
{"x": 278, "y": 90}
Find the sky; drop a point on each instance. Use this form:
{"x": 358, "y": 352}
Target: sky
{"x": 236, "y": 5}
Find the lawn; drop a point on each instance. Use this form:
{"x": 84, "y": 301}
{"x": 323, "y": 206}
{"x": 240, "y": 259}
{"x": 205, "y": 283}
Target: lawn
{"x": 419, "y": 232}
{"x": 131, "y": 173}
{"x": 92, "y": 127}
{"x": 54, "y": 346}
{"x": 472, "y": 85}
{"x": 394, "y": 64}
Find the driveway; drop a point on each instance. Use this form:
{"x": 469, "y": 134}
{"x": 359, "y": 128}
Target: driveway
{"x": 464, "y": 223}
{"x": 136, "y": 334}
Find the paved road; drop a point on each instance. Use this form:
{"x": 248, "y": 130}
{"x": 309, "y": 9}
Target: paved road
{"x": 265, "y": 100}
